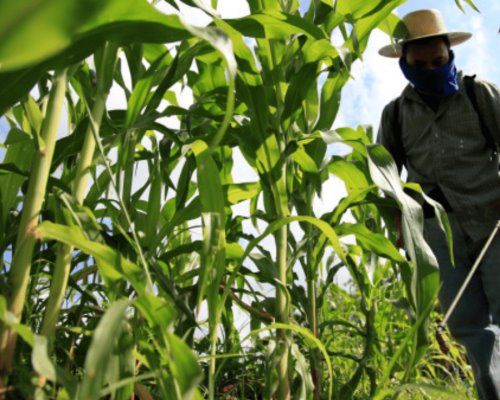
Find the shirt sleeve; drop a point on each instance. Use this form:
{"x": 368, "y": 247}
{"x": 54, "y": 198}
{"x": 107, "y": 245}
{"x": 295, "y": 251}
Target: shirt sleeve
{"x": 488, "y": 99}
{"x": 387, "y": 134}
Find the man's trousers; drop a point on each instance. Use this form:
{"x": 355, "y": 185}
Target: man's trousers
{"x": 475, "y": 323}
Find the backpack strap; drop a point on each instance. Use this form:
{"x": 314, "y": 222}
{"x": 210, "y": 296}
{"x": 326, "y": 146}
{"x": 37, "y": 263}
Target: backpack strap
{"x": 471, "y": 94}
{"x": 398, "y": 151}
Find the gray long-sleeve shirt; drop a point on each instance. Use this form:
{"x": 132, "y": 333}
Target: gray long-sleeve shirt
{"x": 447, "y": 149}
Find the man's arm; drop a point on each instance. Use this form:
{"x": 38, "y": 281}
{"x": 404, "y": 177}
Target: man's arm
{"x": 386, "y": 137}
{"x": 488, "y": 99}
{"x": 389, "y": 133}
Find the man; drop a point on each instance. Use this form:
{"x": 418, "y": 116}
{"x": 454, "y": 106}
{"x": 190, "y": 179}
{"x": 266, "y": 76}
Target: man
{"x": 434, "y": 130}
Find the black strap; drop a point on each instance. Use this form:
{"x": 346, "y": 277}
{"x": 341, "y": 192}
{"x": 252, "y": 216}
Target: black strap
{"x": 471, "y": 94}
{"x": 398, "y": 152}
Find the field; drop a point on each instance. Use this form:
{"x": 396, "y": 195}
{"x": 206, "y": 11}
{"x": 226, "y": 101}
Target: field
{"x": 136, "y": 261}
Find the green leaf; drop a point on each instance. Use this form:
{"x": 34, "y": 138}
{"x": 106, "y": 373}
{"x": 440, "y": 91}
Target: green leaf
{"x": 318, "y": 50}
{"x": 355, "y": 196}
{"x": 156, "y": 311}
{"x": 371, "y": 241}
{"x": 142, "y": 90}
{"x": 73, "y": 29}
{"x": 365, "y": 25}
{"x": 380, "y": 393}
{"x": 441, "y": 216}
{"x": 154, "y": 202}
{"x": 353, "y": 174}
{"x": 112, "y": 265}
{"x": 275, "y": 25}
{"x": 34, "y": 115}
{"x": 34, "y": 30}
{"x": 105, "y": 60}
{"x": 220, "y": 41}
{"x": 238, "y": 192}
{"x": 472, "y": 5}
{"x": 234, "y": 251}
{"x": 431, "y": 391}
{"x": 40, "y": 359}
{"x": 20, "y": 152}
{"x": 469, "y": 2}
{"x": 330, "y": 98}
{"x": 304, "y": 160}
{"x": 185, "y": 368}
{"x": 425, "y": 280}
{"x": 356, "y": 8}
{"x": 324, "y": 227}
{"x": 394, "y": 27}
{"x": 303, "y": 369}
{"x": 209, "y": 184}
{"x": 299, "y": 88}
{"x": 100, "y": 350}
{"x": 310, "y": 340}
{"x": 214, "y": 239}
{"x": 11, "y": 321}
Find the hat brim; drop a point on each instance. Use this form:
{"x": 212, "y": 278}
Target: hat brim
{"x": 396, "y": 50}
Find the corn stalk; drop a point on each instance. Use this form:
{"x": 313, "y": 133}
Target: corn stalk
{"x": 63, "y": 259}
{"x": 26, "y": 237}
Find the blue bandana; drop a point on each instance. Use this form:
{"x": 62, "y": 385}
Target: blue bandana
{"x": 441, "y": 81}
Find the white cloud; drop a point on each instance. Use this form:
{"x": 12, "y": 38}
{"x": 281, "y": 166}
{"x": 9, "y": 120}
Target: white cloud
{"x": 194, "y": 16}
{"x": 474, "y": 56}
{"x": 333, "y": 191}
{"x": 377, "y": 80}
{"x": 233, "y": 8}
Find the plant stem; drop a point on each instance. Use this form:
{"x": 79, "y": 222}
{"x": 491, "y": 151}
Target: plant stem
{"x": 126, "y": 216}
{"x": 26, "y": 238}
{"x": 211, "y": 374}
{"x": 63, "y": 259}
{"x": 311, "y": 297}
{"x": 282, "y": 314}
{"x": 129, "y": 169}
{"x": 282, "y": 306}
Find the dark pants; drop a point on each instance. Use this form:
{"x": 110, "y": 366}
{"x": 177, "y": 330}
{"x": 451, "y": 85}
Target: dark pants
{"x": 475, "y": 323}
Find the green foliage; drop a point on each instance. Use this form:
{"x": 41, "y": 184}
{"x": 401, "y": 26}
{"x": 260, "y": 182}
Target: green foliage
{"x": 138, "y": 287}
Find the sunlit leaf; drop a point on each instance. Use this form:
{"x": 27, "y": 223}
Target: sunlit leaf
{"x": 371, "y": 241}
{"x": 40, "y": 358}
{"x": 239, "y": 192}
{"x": 186, "y": 370}
{"x": 77, "y": 27}
{"x": 112, "y": 265}
{"x": 274, "y": 25}
{"x": 425, "y": 281}
{"x": 99, "y": 352}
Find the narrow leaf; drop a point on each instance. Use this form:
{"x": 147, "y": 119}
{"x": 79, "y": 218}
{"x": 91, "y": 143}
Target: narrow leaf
{"x": 100, "y": 350}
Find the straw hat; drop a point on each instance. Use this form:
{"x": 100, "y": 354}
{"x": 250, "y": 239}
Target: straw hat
{"x": 423, "y": 24}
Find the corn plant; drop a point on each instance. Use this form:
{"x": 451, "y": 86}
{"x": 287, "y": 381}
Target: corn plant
{"x": 118, "y": 289}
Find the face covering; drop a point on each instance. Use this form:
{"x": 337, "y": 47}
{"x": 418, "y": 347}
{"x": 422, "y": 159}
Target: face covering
{"x": 441, "y": 81}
